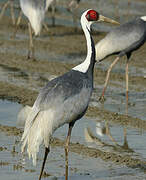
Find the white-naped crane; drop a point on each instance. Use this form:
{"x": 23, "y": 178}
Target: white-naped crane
{"x": 63, "y": 100}
{"x": 35, "y": 11}
{"x": 122, "y": 40}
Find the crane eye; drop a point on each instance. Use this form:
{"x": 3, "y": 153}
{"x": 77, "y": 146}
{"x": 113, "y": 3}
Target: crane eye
{"x": 92, "y": 15}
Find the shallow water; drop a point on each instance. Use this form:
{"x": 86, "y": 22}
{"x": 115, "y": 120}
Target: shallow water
{"x": 123, "y": 139}
{"x": 8, "y": 112}
{"x": 13, "y": 164}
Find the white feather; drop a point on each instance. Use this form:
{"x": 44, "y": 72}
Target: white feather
{"x": 48, "y": 3}
{"x": 28, "y": 124}
{"x": 40, "y": 131}
{"x": 83, "y": 67}
{"x": 22, "y": 115}
{"x": 143, "y": 18}
{"x": 35, "y": 16}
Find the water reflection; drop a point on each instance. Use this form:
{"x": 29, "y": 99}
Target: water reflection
{"x": 118, "y": 139}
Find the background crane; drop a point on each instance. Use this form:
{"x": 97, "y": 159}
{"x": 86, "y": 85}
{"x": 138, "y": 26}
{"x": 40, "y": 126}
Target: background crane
{"x": 122, "y": 40}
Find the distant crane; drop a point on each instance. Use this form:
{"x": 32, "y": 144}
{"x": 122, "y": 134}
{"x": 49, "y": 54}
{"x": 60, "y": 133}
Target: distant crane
{"x": 63, "y": 100}
{"x": 72, "y": 7}
{"x": 122, "y": 40}
{"x": 73, "y": 4}
{"x": 35, "y": 11}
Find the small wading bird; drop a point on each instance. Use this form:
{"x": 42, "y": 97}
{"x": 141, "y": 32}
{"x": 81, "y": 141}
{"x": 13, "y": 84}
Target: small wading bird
{"x": 122, "y": 40}
{"x": 63, "y": 100}
{"x": 35, "y": 11}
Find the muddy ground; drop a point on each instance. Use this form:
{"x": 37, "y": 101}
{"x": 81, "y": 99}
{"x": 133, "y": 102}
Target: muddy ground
{"x": 64, "y": 42}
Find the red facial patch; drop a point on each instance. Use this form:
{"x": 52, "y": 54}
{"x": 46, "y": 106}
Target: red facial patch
{"x": 92, "y": 15}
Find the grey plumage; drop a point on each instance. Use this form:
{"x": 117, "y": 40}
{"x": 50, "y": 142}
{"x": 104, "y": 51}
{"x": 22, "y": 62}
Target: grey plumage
{"x": 63, "y": 91}
{"x": 66, "y": 86}
{"x": 122, "y": 40}
{"x": 63, "y": 100}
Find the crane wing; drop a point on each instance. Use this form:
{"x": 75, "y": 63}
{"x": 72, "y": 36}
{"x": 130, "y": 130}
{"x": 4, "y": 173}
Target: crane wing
{"x": 128, "y": 37}
{"x": 59, "y": 89}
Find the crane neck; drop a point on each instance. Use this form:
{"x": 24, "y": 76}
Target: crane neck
{"x": 88, "y": 64}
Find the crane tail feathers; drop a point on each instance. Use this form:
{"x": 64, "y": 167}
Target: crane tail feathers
{"x": 29, "y": 122}
{"x": 28, "y": 115}
{"x": 33, "y": 139}
{"x": 22, "y": 115}
{"x": 38, "y": 129}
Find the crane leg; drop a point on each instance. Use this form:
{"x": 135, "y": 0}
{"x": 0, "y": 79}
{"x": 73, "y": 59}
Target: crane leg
{"x": 46, "y": 27}
{"x": 127, "y": 79}
{"x": 74, "y": 16}
{"x": 17, "y": 24}
{"x": 31, "y": 46}
{"x": 4, "y": 8}
{"x": 12, "y": 12}
{"x": 107, "y": 78}
{"x": 47, "y": 150}
{"x": 67, "y": 150}
{"x": 53, "y": 5}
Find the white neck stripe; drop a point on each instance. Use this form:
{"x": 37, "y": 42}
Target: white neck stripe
{"x": 83, "y": 67}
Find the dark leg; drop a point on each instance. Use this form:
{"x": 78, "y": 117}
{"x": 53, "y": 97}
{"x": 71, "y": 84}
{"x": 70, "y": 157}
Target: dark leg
{"x": 107, "y": 78}
{"x": 53, "y": 5}
{"x": 31, "y": 46}
{"x": 125, "y": 145}
{"x": 67, "y": 150}
{"x": 47, "y": 150}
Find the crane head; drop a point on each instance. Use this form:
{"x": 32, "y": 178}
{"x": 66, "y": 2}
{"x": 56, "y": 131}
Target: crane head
{"x": 92, "y": 15}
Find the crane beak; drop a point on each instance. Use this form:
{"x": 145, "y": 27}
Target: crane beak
{"x": 108, "y": 20}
